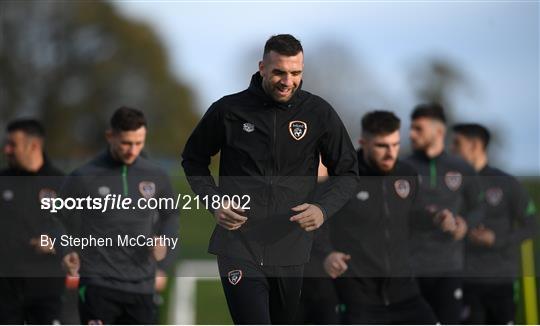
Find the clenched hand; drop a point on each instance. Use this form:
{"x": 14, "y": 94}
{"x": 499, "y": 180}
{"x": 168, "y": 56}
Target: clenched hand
{"x": 335, "y": 263}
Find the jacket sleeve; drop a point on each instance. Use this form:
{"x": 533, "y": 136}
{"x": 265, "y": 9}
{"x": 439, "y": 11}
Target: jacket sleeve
{"x": 474, "y": 207}
{"x": 322, "y": 244}
{"x": 524, "y": 219}
{"x": 70, "y": 220}
{"x": 339, "y": 157}
{"x": 168, "y": 225}
{"x": 204, "y": 142}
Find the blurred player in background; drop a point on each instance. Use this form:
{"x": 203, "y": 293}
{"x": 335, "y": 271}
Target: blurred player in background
{"x": 447, "y": 204}
{"x": 32, "y": 282}
{"x": 118, "y": 283}
{"x": 367, "y": 251}
{"x": 492, "y": 251}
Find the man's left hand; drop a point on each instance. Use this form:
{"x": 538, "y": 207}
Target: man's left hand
{"x": 46, "y": 250}
{"x": 310, "y": 216}
{"x": 161, "y": 280}
{"x": 461, "y": 228}
{"x": 482, "y": 236}
{"x": 159, "y": 250}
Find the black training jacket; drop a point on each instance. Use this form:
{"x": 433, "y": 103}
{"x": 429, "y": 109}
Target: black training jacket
{"x": 446, "y": 182}
{"x": 373, "y": 227}
{"x": 22, "y": 219}
{"x": 125, "y": 268}
{"x": 270, "y": 151}
{"x": 511, "y": 215}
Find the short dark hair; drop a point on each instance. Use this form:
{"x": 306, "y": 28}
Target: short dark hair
{"x": 284, "y": 44}
{"x": 473, "y": 131}
{"x": 429, "y": 110}
{"x": 127, "y": 119}
{"x": 380, "y": 123}
{"x": 31, "y": 127}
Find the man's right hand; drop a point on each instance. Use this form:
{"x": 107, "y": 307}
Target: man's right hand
{"x": 335, "y": 263}
{"x": 72, "y": 263}
{"x": 446, "y": 221}
{"x": 229, "y": 218}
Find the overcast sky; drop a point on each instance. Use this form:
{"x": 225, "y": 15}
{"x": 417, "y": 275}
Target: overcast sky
{"x": 496, "y": 44}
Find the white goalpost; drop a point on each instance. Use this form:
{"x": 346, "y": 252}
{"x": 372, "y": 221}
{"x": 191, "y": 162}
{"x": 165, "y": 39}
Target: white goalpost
{"x": 184, "y": 297}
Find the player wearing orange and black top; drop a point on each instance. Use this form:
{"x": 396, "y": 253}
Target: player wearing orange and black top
{"x": 492, "y": 252}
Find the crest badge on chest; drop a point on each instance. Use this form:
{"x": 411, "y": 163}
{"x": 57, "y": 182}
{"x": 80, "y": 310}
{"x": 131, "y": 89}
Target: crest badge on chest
{"x": 147, "y": 189}
{"x": 46, "y": 193}
{"x": 494, "y": 196}
{"x": 403, "y": 188}
{"x": 453, "y": 180}
{"x": 298, "y": 129}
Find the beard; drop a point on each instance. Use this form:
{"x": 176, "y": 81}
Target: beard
{"x": 273, "y": 90}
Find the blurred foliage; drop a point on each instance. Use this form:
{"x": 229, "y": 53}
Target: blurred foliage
{"x": 438, "y": 80}
{"x": 72, "y": 63}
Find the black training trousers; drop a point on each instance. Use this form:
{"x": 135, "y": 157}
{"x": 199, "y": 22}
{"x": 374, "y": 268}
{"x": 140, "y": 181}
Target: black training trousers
{"x": 411, "y": 311}
{"x": 100, "y": 305}
{"x": 490, "y": 303}
{"x": 30, "y": 300}
{"x": 445, "y": 296}
{"x": 260, "y": 294}
{"x": 363, "y": 302}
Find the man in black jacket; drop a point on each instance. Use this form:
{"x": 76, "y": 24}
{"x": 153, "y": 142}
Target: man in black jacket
{"x": 492, "y": 250}
{"x": 270, "y": 137}
{"x": 117, "y": 282}
{"x": 447, "y": 204}
{"x": 368, "y": 247}
{"x": 32, "y": 282}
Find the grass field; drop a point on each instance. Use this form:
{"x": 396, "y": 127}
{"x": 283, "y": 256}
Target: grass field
{"x": 211, "y": 307}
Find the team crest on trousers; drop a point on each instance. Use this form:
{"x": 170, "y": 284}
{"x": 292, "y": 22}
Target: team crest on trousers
{"x": 298, "y": 129}
{"x": 402, "y": 187}
{"x": 494, "y": 196}
{"x": 453, "y": 180}
{"x": 234, "y": 276}
{"x": 147, "y": 189}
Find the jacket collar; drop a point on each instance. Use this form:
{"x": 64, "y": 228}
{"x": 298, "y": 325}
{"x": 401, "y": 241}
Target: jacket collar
{"x": 20, "y": 172}
{"x": 364, "y": 168}
{"x": 422, "y": 155}
{"x": 485, "y": 170}
{"x": 111, "y": 161}
{"x": 255, "y": 87}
